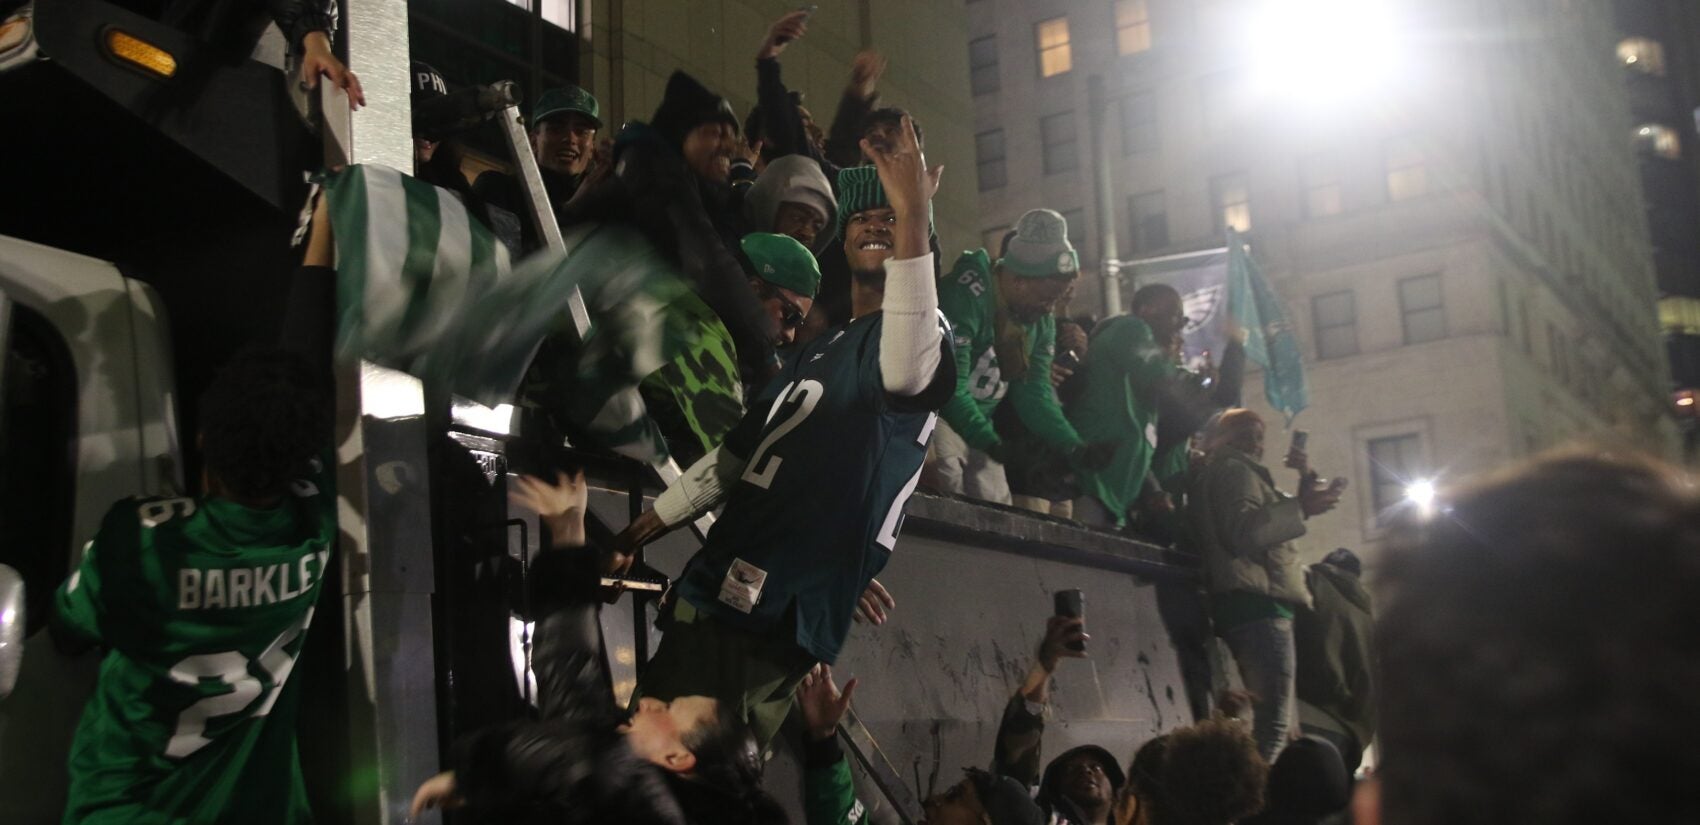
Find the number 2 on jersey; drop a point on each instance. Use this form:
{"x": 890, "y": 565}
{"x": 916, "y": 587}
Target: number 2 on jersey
{"x": 807, "y": 394}
{"x": 232, "y": 669}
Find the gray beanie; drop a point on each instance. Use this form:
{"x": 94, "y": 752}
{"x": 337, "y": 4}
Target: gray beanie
{"x": 1040, "y": 248}
{"x": 794, "y": 178}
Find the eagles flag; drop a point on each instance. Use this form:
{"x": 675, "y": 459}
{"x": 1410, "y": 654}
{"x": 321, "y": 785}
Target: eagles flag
{"x": 424, "y": 288}
{"x": 1221, "y": 284}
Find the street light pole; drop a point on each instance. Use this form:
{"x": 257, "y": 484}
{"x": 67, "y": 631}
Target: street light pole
{"x": 1097, "y": 106}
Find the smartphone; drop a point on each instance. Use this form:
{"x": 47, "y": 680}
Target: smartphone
{"x": 1068, "y": 360}
{"x": 1072, "y": 604}
{"x": 1338, "y": 484}
{"x": 1300, "y": 439}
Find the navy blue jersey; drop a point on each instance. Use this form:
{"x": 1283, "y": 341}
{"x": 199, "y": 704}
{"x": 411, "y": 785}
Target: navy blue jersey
{"x": 831, "y": 460}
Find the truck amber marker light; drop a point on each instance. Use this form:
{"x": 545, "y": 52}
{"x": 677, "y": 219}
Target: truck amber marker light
{"x": 139, "y": 53}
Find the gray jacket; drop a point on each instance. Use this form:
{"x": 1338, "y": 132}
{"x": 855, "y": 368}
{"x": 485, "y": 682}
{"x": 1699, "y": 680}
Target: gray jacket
{"x": 1245, "y": 528}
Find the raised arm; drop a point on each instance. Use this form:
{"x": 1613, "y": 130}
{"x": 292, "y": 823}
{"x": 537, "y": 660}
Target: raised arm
{"x": 909, "y": 338}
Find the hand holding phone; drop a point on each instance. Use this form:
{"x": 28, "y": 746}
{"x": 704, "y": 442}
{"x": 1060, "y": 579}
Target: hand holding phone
{"x": 1071, "y": 604}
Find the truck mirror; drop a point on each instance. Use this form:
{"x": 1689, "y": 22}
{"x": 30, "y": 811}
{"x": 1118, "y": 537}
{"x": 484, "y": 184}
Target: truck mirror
{"x": 11, "y": 628}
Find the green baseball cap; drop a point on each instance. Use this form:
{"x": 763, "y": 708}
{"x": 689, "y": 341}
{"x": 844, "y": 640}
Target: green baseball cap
{"x": 566, "y": 99}
{"x": 1040, "y": 248}
{"x": 782, "y": 261}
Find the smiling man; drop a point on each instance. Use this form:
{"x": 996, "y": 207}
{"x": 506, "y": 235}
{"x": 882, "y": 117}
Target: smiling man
{"x": 563, "y": 137}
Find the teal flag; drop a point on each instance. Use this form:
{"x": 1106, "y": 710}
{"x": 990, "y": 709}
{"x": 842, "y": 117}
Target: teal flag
{"x": 1270, "y": 340}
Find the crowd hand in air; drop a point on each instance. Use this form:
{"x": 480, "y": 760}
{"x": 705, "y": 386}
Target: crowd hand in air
{"x": 875, "y": 604}
{"x": 821, "y": 703}
{"x": 437, "y": 792}
{"x": 784, "y": 30}
{"x": 317, "y": 60}
{"x": 560, "y": 506}
{"x": 1316, "y": 498}
{"x": 865, "y": 72}
{"x": 908, "y": 184}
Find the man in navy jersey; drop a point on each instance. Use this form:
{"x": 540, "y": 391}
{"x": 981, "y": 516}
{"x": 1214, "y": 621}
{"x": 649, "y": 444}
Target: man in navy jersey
{"x": 815, "y": 476}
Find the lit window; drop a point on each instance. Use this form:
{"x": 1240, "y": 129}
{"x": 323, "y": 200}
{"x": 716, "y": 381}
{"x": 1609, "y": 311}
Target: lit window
{"x": 983, "y": 64}
{"x": 563, "y": 13}
{"x": 1076, "y": 220}
{"x": 1139, "y": 122}
{"x": 989, "y": 154}
{"x": 1055, "y": 56}
{"x": 1133, "y": 26}
{"x": 1641, "y": 54}
{"x": 1150, "y": 221}
{"x": 1061, "y": 147}
{"x": 1422, "y": 309}
{"x": 1336, "y": 318}
{"x": 1320, "y": 176}
{"x": 1407, "y": 176}
{"x": 1658, "y": 139}
{"x": 1394, "y": 463}
{"x": 1232, "y": 201}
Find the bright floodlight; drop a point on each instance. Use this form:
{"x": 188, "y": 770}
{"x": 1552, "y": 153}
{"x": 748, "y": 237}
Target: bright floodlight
{"x": 1421, "y": 493}
{"x": 1322, "y": 50}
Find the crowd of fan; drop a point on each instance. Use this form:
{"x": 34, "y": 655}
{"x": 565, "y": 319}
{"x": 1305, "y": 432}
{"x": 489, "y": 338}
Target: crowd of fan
{"x": 1502, "y": 696}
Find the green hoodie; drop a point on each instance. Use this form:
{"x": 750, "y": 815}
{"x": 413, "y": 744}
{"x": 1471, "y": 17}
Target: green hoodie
{"x": 968, "y": 297}
{"x": 1124, "y": 372}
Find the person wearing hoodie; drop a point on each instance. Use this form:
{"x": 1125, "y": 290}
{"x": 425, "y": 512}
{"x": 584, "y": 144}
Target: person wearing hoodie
{"x": 1308, "y": 784}
{"x": 1334, "y": 641}
{"x": 671, "y": 181}
{"x": 792, "y": 197}
{"x": 1080, "y": 785}
{"x": 564, "y": 124}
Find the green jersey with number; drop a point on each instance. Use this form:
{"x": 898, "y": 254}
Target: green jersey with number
{"x": 831, "y": 460}
{"x": 968, "y": 297}
{"x": 203, "y": 606}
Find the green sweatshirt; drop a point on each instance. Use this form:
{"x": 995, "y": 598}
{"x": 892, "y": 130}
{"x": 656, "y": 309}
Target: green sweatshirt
{"x": 829, "y": 792}
{"x": 968, "y": 297}
{"x": 1125, "y": 370}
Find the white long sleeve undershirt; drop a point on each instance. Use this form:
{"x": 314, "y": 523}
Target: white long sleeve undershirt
{"x": 699, "y": 489}
{"x": 909, "y": 335}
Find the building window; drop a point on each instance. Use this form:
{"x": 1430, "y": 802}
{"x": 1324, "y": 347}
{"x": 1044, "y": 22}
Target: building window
{"x": 1061, "y": 147}
{"x": 1336, "y": 318}
{"x": 1076, "y": 220}
{"x": 1150, "y": 221}
{"x": 1641, "y": 54}
{"x": 1231, "y": 200}
{"x": 1055, "y": 57}
{"x": 1319, "y": 174}
{"x": 1407, "y": 177}
{"x": 989, "y": 154}
{"x": 1658, "y": 139}
{"x": 1394, "y": 462}
{"x": 1422, "y": 309}
{"x": 1133, "y": 26}
{"x": 983, "y": 64}
{"x": 1139, "y": 122}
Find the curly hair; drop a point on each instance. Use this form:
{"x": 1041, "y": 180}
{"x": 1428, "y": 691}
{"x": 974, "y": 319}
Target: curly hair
{"x": 1537, "y": 649}
{"x": 1209, "y": 774}
{"x": 262, "y": 422}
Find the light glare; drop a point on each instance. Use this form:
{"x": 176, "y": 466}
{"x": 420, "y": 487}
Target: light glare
{"x": 1322, "y": 50}
{"x": 1421, "y": 493}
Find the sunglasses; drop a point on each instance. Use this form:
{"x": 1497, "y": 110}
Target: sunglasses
{"x": 790, "y": 315}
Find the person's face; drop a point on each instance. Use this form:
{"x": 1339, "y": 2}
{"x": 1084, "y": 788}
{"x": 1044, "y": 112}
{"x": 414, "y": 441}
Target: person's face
{"x": 957, "y": 805}
{"x": 1163, "y": 314}
{"x": 1031, "y": 298}
{"x": 867, "y": 238}
{"x": 883, "y": 134}
{"x": 1084, "y": 781}
{"x": 804, "y": 223}
{"x": 708, "y": 151}
{"x": 785, "y": 307}
{"x": 1250, "y": 440}
{"x": 422, "y": 151}
{"x": 564, "y": 142}
{"x": 657, "y": 730}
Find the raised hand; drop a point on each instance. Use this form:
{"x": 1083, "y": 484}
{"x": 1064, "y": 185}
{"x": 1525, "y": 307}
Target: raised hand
{"x": 317, "y": 60}
{"x": 1060, "y": 632}
{"x": 821, "y": 703}
{"x": 784, "y": 30}
{"x": 560, "y": 505}
{"x": 908, "y": 185}
{"x": 865, "y": 72}
{"x": 874, "y": 604}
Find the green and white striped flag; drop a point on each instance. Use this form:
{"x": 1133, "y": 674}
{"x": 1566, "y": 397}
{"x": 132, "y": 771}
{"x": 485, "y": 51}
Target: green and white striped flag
{"x": 423, "y": 288}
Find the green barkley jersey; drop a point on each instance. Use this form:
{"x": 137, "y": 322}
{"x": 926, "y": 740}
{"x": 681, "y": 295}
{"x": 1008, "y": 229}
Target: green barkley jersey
{"x": 968, "y": 297}
{"x": 203, "y": 606}
{"x": 831, "y": 460}
{"x": 1124, "y": 373}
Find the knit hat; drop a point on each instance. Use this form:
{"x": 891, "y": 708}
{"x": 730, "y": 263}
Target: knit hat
{"x": 686, "y": 105}
{"x": 427, "y": 81}
{"x": 793, "y": 178}
{"x": 566, "y": 99}
{"x": 1040, "y": 248}
{"x": 859, "y": 190}
{"x": 781, "y": 261}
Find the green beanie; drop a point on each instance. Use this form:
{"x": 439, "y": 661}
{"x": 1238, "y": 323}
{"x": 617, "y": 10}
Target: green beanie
{"x": 781, "y": 261}
{"x": 1040, "y": 248}
{"x": 858, "y": 190}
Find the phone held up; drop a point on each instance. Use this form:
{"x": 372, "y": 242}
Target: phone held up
{"x": 1072, "y": 604}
